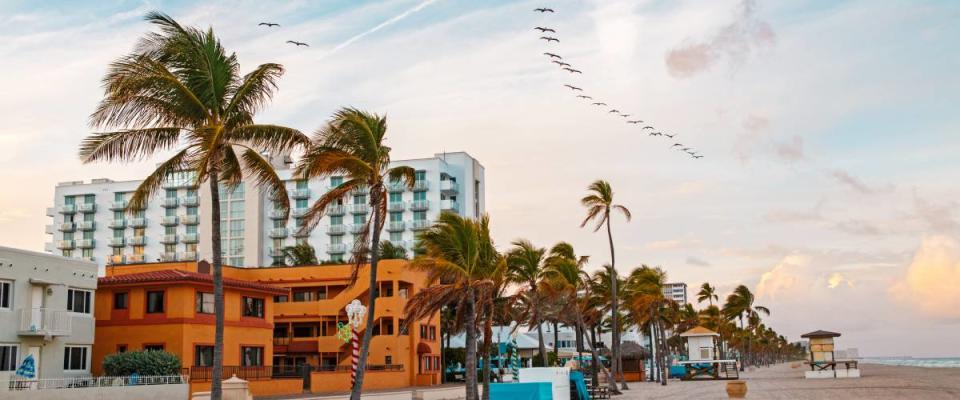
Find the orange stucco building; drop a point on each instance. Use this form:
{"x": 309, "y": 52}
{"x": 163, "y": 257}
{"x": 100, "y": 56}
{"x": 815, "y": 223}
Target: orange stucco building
{"x": 301, "y": 307}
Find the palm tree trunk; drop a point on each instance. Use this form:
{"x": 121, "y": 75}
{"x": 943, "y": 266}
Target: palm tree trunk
{"x": 216, "y": 390}
{"x": 664, "y": 355}
{"x": 443, "y": 365}
{"x": 536, "y": 319}
{"x": 556, "y": 340}
{"x": 593, "y": 352}
{"x": 372, "y": 293}
{"x": 615, "y": 362}
{"x": 579, "y": 331}
{"x": 487, "y": 341}
{"x": 543, "y": 348}
{"x": 595, "y": 356}
{"x": 743, "y": 353}
{"x": 470, "y": 369}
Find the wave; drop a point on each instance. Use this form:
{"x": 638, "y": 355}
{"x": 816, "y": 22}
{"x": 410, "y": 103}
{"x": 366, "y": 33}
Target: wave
{"x": 916, "y": 362}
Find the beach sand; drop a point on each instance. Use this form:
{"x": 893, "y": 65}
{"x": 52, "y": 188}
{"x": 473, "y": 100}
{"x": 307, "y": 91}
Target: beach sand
{"x": 782, "y": 382}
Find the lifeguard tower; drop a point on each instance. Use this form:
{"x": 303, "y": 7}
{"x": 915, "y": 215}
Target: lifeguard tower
{"x": 702, "y": 357}
{"x": 822, "y": 362}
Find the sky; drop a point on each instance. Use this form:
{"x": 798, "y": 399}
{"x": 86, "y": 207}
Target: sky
{"x": 829, "y": 131}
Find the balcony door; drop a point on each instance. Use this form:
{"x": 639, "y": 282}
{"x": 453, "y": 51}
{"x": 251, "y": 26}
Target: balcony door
{"x": 36, "y": 303}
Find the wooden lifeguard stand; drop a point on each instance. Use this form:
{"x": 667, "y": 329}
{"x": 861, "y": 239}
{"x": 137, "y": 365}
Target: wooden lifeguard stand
{"x": 702, "y": 357}
{"x": 822, "y": 362}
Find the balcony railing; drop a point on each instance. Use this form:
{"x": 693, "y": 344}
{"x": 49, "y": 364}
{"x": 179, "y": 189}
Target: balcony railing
{"x": 138, "y": 240}
{"x": 278, "y": 233}
{"x": 180, "y": 184}
{"x": 359, "y": 208}
{"x": 201, "y": 374}
{"x": 448, "y": 186}
{"x": 420, "y": 205}
{"x": 359, "y": 191}
{"x": 339, "y": 229}
{"x": 138, "y": 222}
{"x": 86, "y": 225}
{"x": 300, "y": 193}
{"x": 68, "y": 227}
{"x": 276, "y": 252}
{"x": 134, "y": 258}
{"x": 336, "y": 248}
{"x": 189, "y": 238}
{"x": 43, "y": 322}
{"x": 68, "y": 209}
{"x": 395, "y": 226}
{"x": 87, "y": 207}
{"x": 169, "y": 220}
{"x": 296, "y": 232}
{"x": 188, "y": 256}
{"x": 65, "y": 244}
{"x": 169, "y": 202}
{"x": 421, "y": 186}
{"x": 168, "y": 257}
{"x": 277, "y": 214}
{"x": 336, "y": 210}
{"x": 86, "y": 243}
{"x": 168, "y": 239}
{"x": 190, "y": 201}
{"x": 357, "y": 228}
{"x": 118, "y": 205}
{"x": 190, "y": 219}
{"x": 117, "y": 242}
{"x": 117, "y": 224}
{"x": 396, "y": 187}
{"x": 398, "y": 206}
{"x": 419, "y": 225}
{"x": 299, "y": 212}
{"x": 116, "y": 260}
{"x": 449, "y": 205}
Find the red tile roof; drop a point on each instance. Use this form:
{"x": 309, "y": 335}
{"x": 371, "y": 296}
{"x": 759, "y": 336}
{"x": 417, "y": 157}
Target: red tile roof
{"x": 175, "y": 275}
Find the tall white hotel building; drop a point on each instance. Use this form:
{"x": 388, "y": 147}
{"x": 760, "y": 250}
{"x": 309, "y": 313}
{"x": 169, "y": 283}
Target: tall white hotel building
{"x": 89, "y": 220}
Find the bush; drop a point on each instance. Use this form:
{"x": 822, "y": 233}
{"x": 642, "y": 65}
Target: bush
{"x": 143, "y": 363}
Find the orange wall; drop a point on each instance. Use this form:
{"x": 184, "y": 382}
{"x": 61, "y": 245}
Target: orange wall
{"x": 270, "y": 387}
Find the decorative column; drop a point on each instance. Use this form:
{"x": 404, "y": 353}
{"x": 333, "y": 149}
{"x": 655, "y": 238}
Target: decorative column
{"x": 355, "y": 313}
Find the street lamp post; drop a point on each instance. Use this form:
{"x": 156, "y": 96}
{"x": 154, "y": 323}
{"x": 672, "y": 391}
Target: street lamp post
{"x": 355, "y": 313}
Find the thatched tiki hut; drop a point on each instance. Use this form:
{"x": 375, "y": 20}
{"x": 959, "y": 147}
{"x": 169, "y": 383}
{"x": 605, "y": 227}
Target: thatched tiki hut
{"x": 633, "y": 356}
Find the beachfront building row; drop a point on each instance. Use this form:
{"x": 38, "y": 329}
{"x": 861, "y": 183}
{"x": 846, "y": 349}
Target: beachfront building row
{"x": 46, "y": 312}
{"x": 676, "y": 291}
{"x": 89, "y": 219}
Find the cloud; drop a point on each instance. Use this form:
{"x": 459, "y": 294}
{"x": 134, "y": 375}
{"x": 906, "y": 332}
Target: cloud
{"x": 837, "y": 279}
{"x": 858, "y": 227}
{"x": 938, "y": 217}
{"x": 380, "y": 26}
{"x": 733, "y": 42}
{"x": 783, "y": 279}
{"x": 755, "y": 128}
{"x": 791, "y": 151}
{"x": 697, "y": 262}
{"x": 931, "y": 280}
{"x": 851, "y": 182}
{"x": 671, "y": 244}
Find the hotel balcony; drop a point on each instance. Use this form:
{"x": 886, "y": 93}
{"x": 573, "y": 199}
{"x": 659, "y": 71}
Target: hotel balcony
{"x": 44, "y": 322}
{"x": 449, "y": 187}
{"x": 170, "y": 220}
{"x": 300, "y": 193}
{"x": 48, "y": 229}
{"x": 359, "y": 208}
{"x": 137, "y": 241}
{"x": 335, "y": 230}
{"x": 360, "y": 191}
{"x": 179, "y": 184}
{"x": 299, "y": 212}
{"x": 87, "y": 207}
{"x": 134, "y": 258}
{"x": 189, "y": 238}
{"x": 278, "y": 233}
{"x": 295, "y": 232}
{"x": 188, "y": 256}
{"x": 51, "y": 211}
{"x": 138, "y": 222}
{"x": 396, "y": 187}
{"x": 190, "y": 201}
{"x": 117, "y": 224}
{"x": 117, "y": 242}
{"x": 357, "y": 228}
{"x": 67, "y": 209}
{"x": 398, "y": 206}
{"x": 118, "y": 206}
{"x": 420, "y": 205}
{"x": 66, "y": 245}
{"x": 168, "y": 257}
{"x": 336, "y": 210}
{"x": 86, "y": 243}
{"x": 190, "y": 219}
{"x": 168, "y": 239}
{"x": 68, "y": 227}
{"x": 277, "y": 214}
{"x": 449, "y": 205}
{"x": 169, "y": 202}
{"x": 418, "y": 225}
{"x": 86, "y": 225}
{"x": 272, "y": 252}
{"x": 336, "y": 248}
{"x": 395, "y": 226}
{"x": 421, "y": 185}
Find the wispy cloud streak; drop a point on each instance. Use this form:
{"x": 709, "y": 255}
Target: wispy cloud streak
{"x": 382, "y": 25}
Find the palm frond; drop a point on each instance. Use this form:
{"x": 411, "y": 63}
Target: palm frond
{"x": 270, "y": 138}
{"x": 154, "y": 181}
{"x": 266, "y": 178}
{"x": 127, "y": 145}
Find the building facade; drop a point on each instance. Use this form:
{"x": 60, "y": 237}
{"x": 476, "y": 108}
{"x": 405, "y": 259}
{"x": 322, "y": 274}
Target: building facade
{"x": 676, "y": 292}
{"x": 90, "y": 221}
{"x": 46, "y": 310}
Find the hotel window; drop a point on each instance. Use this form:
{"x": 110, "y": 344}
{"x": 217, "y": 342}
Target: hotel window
{"x": 301, "y": 203}
{"x": 8, "y": 357}
{"x": 253, "y": 307}
{"x": 302, "y": 184}
{"x": 6, "y": 297}
{"x": 396, "y": 236}
{"x": 421, "y": 175}
{"x": 336, "y": 181}
{"x": 433, "y": 333}
{"x": 403, "y": 329}
{"x": 359, "y": 219}
{"x": 154, "y": 302}
{"x": 171, "y": 193}
{"x": 121, "y": 301}
{"x": 89, "y": 198}
{"x": 388, "y": 360}
{"x": 419, "y": 215}
{"x": 118, "y": 216}
{"x": 396, "y": 197}
{"x": 203, "y": 356}
{"x": 303, "y": 331}
{"x": 121, "y": 348}
{"x": 476, "y": 198}
{"x": 75, "y": 358}
{"x": 204, "y": 303}
{"x": 251, "y": 356}
{"x": 86, "y": 253}
{"x": 419, "y": 196}
{"x": 78, "y": 301}
{"x": 118, "y": 196}
{"x": 170, "y": 212}
{"x": 154, "y": 347}
{"x": 336, "y": 220}
{"x": 192, "y": 210}
{"x": 360, "y": 199}
{"x": 281, "y": 298}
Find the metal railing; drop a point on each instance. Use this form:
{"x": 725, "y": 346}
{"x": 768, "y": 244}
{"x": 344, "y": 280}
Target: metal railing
{"x": 449, "y": 205}
{"x": 134, "y": 258}
{"x": 117, "y": 242}
{"x": 42, "y": 321}
{"x": 359, "y": 208}
{"x": 168, "y": 239}
{"x": 190, "y": 201}
{"x": 339, "y": 229}
{"x": 421, "y": 186}
{"x": 449, "y": 186}
{"x": 278, "y": 233}
{"x": 260, "y": 372}
{"x": 93, "y": 382}
{"x": 357, "y": 228}
{"x": 188, "y": 256}
{"x": 300, "y": 193}
{"x": 169, "y": 220}
{"x": 68, "y": 227}
{"x": 299, "y": 212}
{"x": 395, "y": 226}
{"x": 168, "y": 257}
{"x": 169, "y": 202}
{"x": 117, "y": 223}
{"x": 87, "y": 207}
{"x": 86, "y": 225}
{"x": 189, "y": 238}
{"x": 190, "y": 219}
{"x": 418, "y": 225}
{"x": 138, "y": 222}
{"x": 137, "y": 240}
{"x": 419, "y": 205}
{"x": 398, "y": 206}
{"x": 336, "y": 210}
{"x": 396, "y": 187}
{"x": 337, "y": 248}
{"x": 65, "y": 244}
{"x": 118, "y": 205}
{"x": 277, "y": 214}
{"x": 86, "y": 243}
{"x": 67, "y": 209}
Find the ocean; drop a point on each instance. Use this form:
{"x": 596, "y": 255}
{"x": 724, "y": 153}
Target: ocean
{"x": 950, "y": 362}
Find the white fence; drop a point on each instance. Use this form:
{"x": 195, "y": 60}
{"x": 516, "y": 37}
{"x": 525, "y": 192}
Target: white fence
{"x": 95, "y": 388}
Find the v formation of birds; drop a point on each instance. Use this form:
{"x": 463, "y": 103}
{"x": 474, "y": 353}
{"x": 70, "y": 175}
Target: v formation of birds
{"x": 550, "y": 38}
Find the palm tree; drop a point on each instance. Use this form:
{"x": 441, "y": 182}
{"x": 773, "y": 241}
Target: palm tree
{"x": 352, "y": 145}
{"x": 740, "y": 305}
{"x": 492, "y": 307}
{"x": 300, "y": 254}
{"x": 525, "y": 267}
{"x": 459, "y": 257}
{"x": 390, "y": 251}
{"x": 708, "y": 293}
{"x": 181, "y": 91}
{"x": 599, "y": 204}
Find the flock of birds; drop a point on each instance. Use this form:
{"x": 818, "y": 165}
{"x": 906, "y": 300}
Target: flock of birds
{"x": 276, "y": 25}
{"x": 549, "y": 36}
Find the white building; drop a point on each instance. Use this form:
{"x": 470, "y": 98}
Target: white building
{"x": 46, "y": 310}
{"x": 676, "y": 292}
{"x": 89, "y": 221}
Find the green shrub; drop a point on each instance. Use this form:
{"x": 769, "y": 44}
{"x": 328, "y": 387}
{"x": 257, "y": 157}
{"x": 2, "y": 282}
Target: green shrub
{"x": 143, "y": 363}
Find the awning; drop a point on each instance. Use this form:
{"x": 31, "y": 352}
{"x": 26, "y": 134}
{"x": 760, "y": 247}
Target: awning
{"x": 423, "y": 348}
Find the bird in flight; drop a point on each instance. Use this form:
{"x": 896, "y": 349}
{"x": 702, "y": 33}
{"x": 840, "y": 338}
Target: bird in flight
{"x": 697, "y": 156}
{"x": 685, "y": 149}
{"x": 560, "y": 63}
{"x": 676, "y": 145}
{"x": 647, "y": 127}
{"x": 543, "y": 10}
{"x": 624, "y": 115}
{"x": 614, "y": 111}
{"x": 636, "y": 121}
{"x": 585, "y": 97}
{"x": 551, "y": 55}
{"x": 655, "y": 133}
{"x": 268, "y": 24}
{"x": 573, "y": 87}
{"x": 298, "y": 44}
{"x": 670, "y": 136}
{"x": 599, "y": 104}
{"x": 542, "y": 29}
{"x": 571, "y": 70}
{"x": 550, "y": 39}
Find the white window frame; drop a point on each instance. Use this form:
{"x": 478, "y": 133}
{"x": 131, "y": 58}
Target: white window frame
{"x": 8, "y": 293}
{"x": 88, "y": 309}
{"x": 16, "y": 356}
{"x": 68, "y": 360}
